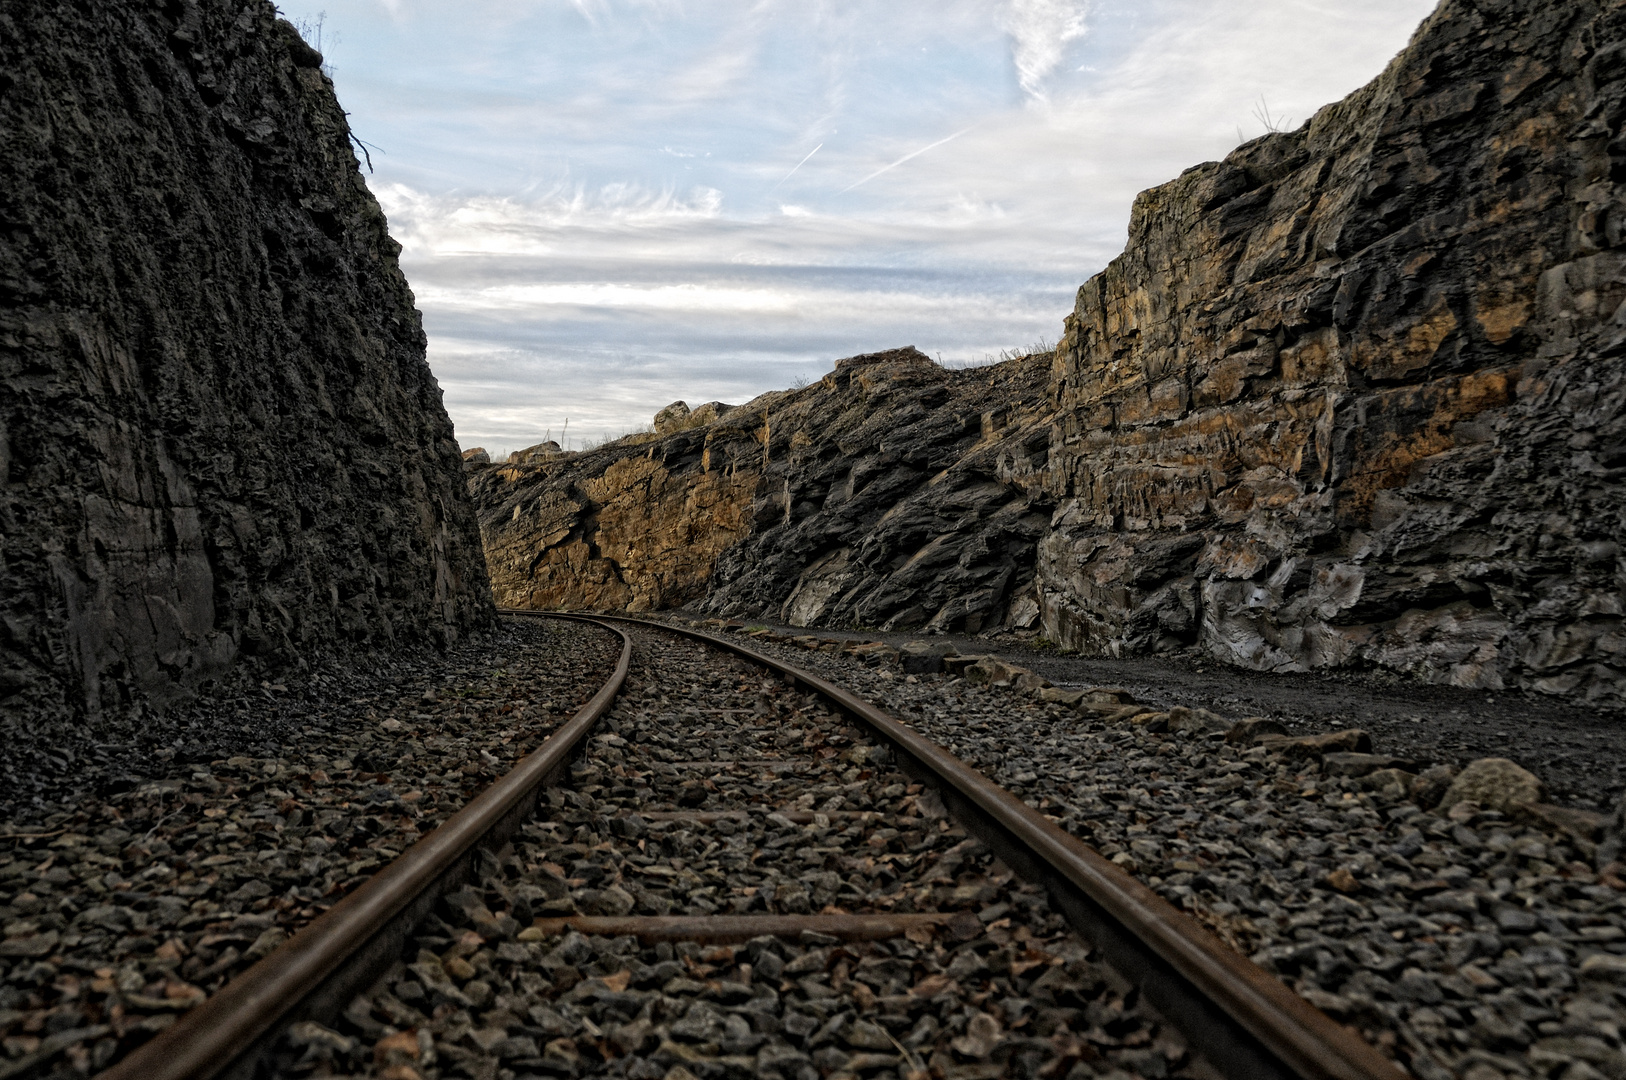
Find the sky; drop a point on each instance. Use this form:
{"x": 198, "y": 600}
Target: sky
{"x": 609, "y": 205}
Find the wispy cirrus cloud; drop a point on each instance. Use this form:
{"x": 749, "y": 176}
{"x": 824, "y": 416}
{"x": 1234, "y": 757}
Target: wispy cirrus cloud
{"x": 1041, "y": 31}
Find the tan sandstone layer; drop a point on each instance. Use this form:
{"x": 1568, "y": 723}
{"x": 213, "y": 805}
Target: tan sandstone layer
{"x": 878, "y": 495}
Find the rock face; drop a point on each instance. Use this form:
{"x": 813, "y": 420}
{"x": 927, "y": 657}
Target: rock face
{"x": 1355, "y": 394}
{"x": 892, "y": 493}
{"x": 218, "y": 433}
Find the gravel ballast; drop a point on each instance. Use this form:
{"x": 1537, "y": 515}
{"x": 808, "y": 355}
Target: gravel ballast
{"x": 1463, "y": 939}
{"x": 683, "y": 804}
{"x": 122, "y": 911}
{"x": 1467, "y": 942}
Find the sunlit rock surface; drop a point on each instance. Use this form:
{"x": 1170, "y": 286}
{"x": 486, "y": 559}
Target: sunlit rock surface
{"x": 1355, "y": 393}
{"x": 891, "y": 493}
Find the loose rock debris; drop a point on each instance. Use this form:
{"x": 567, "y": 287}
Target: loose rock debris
{"x": 119, "y": 914}
{"x": 1467, "y": 942}
{"x": 1464, "y": 941}
{"x": 684, "y": 806}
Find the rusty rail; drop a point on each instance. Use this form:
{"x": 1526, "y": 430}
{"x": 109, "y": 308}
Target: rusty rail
{"x": 318, "y": 970}
{"x": 1241, "y": 1019}
{"x": 1244, "y": 1020}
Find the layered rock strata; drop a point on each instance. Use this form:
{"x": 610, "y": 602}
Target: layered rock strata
{"x": 1355, "y": 394}
{"x": 891, "y": 493}
{"x": 218, "y": 433}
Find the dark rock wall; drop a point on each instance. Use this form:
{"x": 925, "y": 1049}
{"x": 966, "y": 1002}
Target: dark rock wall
{"x": 891, "y": 493}
{"x": 1355, "y": 394}
{"x": 897, "y": 495}
{"x": 218, "y": 432}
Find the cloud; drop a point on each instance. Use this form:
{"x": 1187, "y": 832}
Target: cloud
{"x": 588, "y": 10}
{"x": 1040, "y": 31}
{"x": 446, "y": 226}
{"x": 605, "y": 205}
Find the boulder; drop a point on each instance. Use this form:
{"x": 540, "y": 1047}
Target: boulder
{"x": 923, "y": 657}
{"x": 1110, "y": 695}
{"x": 874, "y": 652}
{"x": 711, "y": 410}
{"x": 477, "y": 456}
{"x": 1197, "y": 721}
{"x": 1384, "y": 779}
{"x": 1031, "y": 682}
{"x": 1581, "y": 826}
{"x": 1154, "y": 722}
{"x": 995, "y": 672}
{"x": 674, "y": 417}
{"x": 1249, "y": 728}
{"x": 1494, "y": 783}
{"x": 533, "y": 454}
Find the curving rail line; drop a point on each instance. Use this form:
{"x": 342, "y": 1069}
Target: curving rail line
{"x": 1244, "y": 1021}
{"x": 338, "y": 954}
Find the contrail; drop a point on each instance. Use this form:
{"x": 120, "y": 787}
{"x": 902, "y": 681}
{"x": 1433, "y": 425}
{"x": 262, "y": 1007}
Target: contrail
{"x": 904, "y": 158}
{"x": 799, "y": 164}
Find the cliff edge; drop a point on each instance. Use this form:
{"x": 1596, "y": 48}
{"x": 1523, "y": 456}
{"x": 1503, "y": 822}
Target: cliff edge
{"x": 219, "y": 437}
{"x": 1354, "y": 395}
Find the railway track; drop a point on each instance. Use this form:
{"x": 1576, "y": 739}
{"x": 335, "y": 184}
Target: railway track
{"x": 723, "y": 865}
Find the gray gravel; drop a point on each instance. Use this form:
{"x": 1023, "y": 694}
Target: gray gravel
{"x": 118, "y": 913}
{"x": 484, "y": 992}
{"x": 1467, "y": 944}
{"x": 1578, "y": 749}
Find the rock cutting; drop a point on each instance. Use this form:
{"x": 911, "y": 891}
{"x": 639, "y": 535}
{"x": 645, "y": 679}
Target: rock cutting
{"x": 1351, "y": 397}
{"x": 1233, "y": 690}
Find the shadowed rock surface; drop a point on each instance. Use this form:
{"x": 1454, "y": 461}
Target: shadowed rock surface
{"x": 219, "y": 437}
{"x": 1353, "y": 397}
{"x": 1355, "y": 394}
{"x": 889, "y": 493}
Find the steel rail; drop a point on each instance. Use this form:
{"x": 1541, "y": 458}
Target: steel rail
{"x": 1242, "y": 1019}
{"x": 318, "y": 970}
